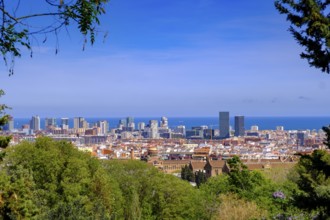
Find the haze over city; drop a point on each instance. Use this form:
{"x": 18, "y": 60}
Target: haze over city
{"x": 173, "y": 58}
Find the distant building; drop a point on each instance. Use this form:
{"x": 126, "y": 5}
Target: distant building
{"x": 279, "y": 128}
{"x": 127, "y": 124}
{"x": 164, "y": 122}
{"x": 122, "y": 123}
{"x": 254, "y": 128}
{"x": 79, "y": 122}
{"x": 180, "y": 129}
{"x": 239, "y": 126}
{"x": 224, "y": 124}
{"x": 35, "y": 123}
{"x": 300, "y": 138}
{"x": 65, "y": 123}
{"x": 141, "y": 126}
{"x": 50, "y": 123}
{"x": 104, "y": 127}
{"x": 153, "y": 124}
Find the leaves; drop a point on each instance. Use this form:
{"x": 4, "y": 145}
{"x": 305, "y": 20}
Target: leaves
{"x": 14, "y": 36}
{"x": 310, "y": 22}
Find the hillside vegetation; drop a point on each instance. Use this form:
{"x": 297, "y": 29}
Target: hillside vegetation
{"x": 53, "y": 180}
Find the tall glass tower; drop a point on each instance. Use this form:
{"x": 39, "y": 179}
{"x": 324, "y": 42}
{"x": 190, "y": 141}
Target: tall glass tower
{"x": 224, "y": 125}
{"x": 239, "y": 126}
{"x": 35, "y": 123}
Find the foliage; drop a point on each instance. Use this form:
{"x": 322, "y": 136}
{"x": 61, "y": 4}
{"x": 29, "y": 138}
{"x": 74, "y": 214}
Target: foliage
{"x": 327, "y": 132}
{"x": 4, "y": 140}
{"x": 313, "y": 183}
{"x": 310, "y": 21}
{"x": 200, "y": 178}
{"x": 150, "y": 194}
{"x": 234, "y": 208}
{"x": 187, "y": 174}
{"x": 253, "y": 188}
{"x": 17, "y": 30}
{"x": 52, "y": 180}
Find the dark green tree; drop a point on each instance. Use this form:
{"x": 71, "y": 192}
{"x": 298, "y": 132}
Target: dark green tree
{"x": 200, "y": 178}
{"x": 187, "y": 174}
{"x": 327, "y": 133}
{"x": 310, "y": 22}
{"x": 17, "y": 29}
{"x": 313, "y": 182}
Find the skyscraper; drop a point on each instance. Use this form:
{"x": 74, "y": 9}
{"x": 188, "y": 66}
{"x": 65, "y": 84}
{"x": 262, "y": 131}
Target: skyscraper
{"x": 65, "y": 123}
{"x": 239, "y": 126}
{"x": 164, "y": 122}
{"x": 35, "y": 123}
{"x": 224, "y": 124}
{"x": 153, "y": 124}
{"x": 104, "y": 127}
{"x": 80, "y": 122}
{"x": 300, "y": 138}
{"x": 50, "y": 122}
{"x": 141, "y": 126}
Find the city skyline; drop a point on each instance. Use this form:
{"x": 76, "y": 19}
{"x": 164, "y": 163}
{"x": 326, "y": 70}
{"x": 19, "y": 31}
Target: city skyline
{"x": 174, "y": 59}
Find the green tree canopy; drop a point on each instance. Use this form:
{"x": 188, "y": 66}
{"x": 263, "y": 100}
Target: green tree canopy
{"x": 313, "y": 181}
{"x": 310, "y": 27}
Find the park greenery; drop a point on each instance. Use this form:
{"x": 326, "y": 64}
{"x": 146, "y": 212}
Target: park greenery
{"x": 46, "y": 179}
{"x": 49, "y": 179}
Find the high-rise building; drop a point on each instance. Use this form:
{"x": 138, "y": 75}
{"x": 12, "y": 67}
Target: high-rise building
{"x": 79, "y": 122}
{"x": 35, "y": 123}
{"x": 224, "y": 124}
{"x": 141, "y": 126}
{"x": 164, "y": 122}
{"x": 122, "y": 123}
{"x": 153, "y": 124}
{"x": 239, "y": 126}
{"x": 65, "y": 123}
{"x": 104, "y": 127}
{"x": 50, "y": 122}
{"x": 129, "y": 120}
{"x": 181, "y": 129}
{"x": 300, "y": 138}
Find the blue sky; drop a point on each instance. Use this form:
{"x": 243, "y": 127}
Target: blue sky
{"x": 172, "y": 58}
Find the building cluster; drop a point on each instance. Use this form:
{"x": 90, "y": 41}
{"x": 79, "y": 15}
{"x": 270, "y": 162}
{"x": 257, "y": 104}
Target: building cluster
{"x": 171, "y": 148}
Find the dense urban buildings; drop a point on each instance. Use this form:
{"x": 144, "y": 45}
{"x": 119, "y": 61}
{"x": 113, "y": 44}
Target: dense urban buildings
{"x": 170, "y": 148}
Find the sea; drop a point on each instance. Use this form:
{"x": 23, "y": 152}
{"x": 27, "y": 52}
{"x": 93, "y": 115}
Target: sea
{"x": 264, "y": 123}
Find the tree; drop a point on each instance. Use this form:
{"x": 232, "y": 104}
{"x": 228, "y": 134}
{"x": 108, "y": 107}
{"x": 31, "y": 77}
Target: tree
{"x": 4, "y": 140}
{"x": 54, "y": 180}
{"x": 310, "y": 22}
{"x": 187, "y": 174}
{"x": 200, "y": 178}
{"x": 327, "y": 132}
{"x": 18, "y": 29}
{"x": 313, "y": 181}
